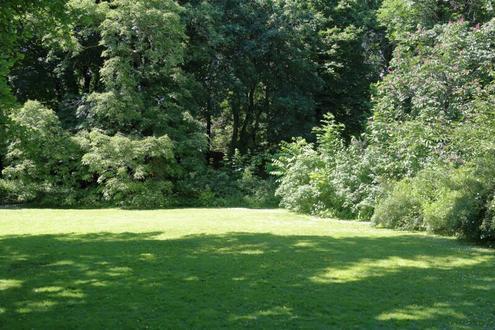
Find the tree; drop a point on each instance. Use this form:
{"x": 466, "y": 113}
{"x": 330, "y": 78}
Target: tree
{"x": 426, "y": 159}
{"x": 116, "y": 77}
{"x": 253, "y": 63}
{"x": 351, "y": 54}
{"x": 43, "y": 161}
{"x": 130, "y": 172}
{"x": 18, "y": 20}
{"x": 401, "y": 17}
{"x": 435, "y": 78}
{"x": 145, "y": 93}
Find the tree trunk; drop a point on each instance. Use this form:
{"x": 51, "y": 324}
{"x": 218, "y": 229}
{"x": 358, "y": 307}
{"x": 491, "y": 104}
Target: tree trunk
{"x": 244, "y": 143}
{"x": 209, "y": 111}
{"x": 235, "y": 105}
{"x": 257, "y": 118}
{"x": 88, "y": 78}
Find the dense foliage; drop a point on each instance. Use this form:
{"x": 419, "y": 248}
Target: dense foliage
{"x": 426, "y": 160}
{"x": 160, "y": 103}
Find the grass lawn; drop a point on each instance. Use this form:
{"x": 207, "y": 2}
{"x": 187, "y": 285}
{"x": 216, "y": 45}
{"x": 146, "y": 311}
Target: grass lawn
{"x": 233, "y": 268}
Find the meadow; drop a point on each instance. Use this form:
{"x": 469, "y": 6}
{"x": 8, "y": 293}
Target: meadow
{"x": 234, "y": 268}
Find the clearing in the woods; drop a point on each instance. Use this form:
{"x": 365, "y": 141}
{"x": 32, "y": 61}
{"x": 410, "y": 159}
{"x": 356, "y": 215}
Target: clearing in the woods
{"x": 213, "y": 268}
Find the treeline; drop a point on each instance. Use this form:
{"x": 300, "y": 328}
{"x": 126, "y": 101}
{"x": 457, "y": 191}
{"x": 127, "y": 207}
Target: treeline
{"x": 154, "y": 103}
{"x": 426, "y": 160}
{"x": 160, "y": 103}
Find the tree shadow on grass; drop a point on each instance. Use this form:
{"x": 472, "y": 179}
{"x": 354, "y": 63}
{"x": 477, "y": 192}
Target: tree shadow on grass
{"x": 243, "y": 280}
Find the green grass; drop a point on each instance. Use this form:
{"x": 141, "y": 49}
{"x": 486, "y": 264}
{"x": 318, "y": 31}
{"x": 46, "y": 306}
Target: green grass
{"x": 233, "y": 268}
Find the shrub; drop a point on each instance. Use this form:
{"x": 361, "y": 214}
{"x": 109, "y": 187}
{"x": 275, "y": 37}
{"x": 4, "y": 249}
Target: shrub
{"x": 354, "y": 181}
{"x": 43, "y": 161}
{"x": 454, "y": 212}
{"x": 241, "y": 182}
{"x": 401, "y": 209}
{"x": 149, "y": 195}
{"x": 258, "y": 192}
{"x": 456, "y": 203}
{"x": 442, "y": 200}
{"x": 331, "y": 179}
{"x": 295, "y": 165}
{"x": 488, "y": 225}
{"x": 8, "y": 193}
{"x": 130, "y": 172}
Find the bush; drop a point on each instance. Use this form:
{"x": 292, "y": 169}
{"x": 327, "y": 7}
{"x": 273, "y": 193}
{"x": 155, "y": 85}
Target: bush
{"x": 442, "y": 200}
{"x": 401, "y": 209}
{"x": 331, "y": 179}
{"x": 149, "y": 195}
{"x": 130, "y": 172}
{"x": 488, "y": 224}
{"x": 296, "y": 166}
{"x": 241, "y": 182}
{"x": 8, "y": 193}
{"x": 258, "y": 192}
{"x": 353, "y": 181}
{"x": 454, "y": 212}
{"x": 43, "y": 161}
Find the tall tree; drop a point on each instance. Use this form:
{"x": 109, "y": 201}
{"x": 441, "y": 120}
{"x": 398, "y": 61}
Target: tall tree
{"x": 18, "y": 20}
{"x": 253, "y": 61}
{"x": 437, "y": 80}
{"x": 145, "y": 93}
{"x": 401, "y": 17}
{"x": 352, "y": 54}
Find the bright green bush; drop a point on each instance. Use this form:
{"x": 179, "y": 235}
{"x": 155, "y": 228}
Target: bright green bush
{"x": 296, "y": 165}
{"x": 401, "y": 209}
{"x": 257, "y": 192}
{"x": 329, "y": 179}
{"x": 131, "y": 172}
{"x": 43, "y": 161}
{"x": 454, "y": 212}
{"x": 354, "y": 180}
{"x": 7, "y": 192}
{"x": 456, "y": 202}
{"x": 442, "y": 200}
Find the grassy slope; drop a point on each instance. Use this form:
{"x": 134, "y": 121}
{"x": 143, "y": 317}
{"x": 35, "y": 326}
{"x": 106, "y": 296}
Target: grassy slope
{"x": 233, "y": 268}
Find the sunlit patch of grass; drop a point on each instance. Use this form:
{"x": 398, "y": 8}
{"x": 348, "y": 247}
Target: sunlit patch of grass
{"x": 35, "y": 306}
{"x": 369, "y": 267}
{"x": 48, "y": 289}
{"x": 275, "y": 311}
{"x": 417, "y": 313}
{"x": 234, "y": 268}
{"x": 6, "y": 284}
